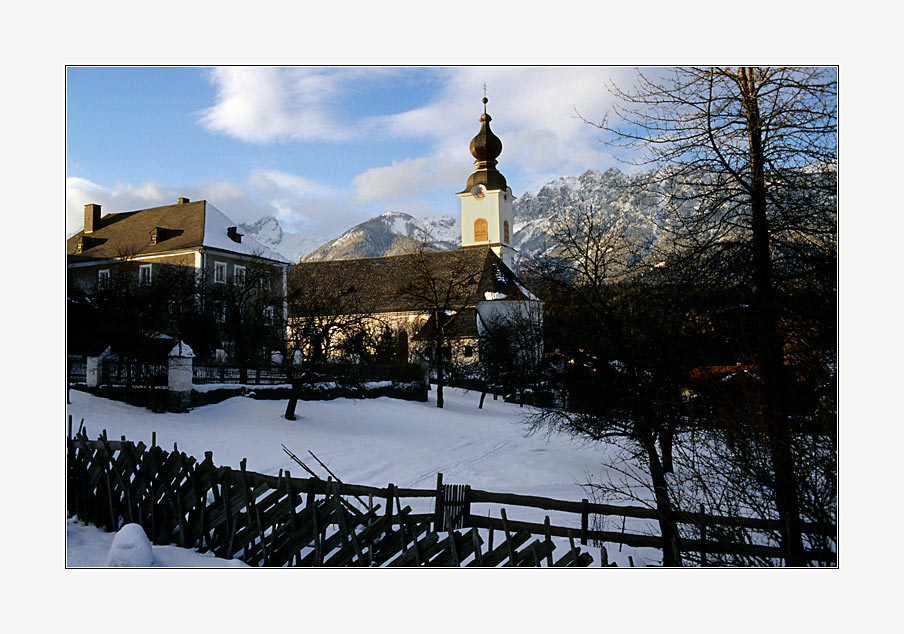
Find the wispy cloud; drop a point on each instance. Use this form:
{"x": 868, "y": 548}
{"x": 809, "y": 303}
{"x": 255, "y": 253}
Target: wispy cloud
{"x": 262, "y": 105}
{"x": 404, "y": 179}
{"x": 276, "y": 181}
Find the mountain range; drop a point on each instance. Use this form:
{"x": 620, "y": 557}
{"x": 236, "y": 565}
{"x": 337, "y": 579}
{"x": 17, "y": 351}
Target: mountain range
{"x": 608, "y": 193}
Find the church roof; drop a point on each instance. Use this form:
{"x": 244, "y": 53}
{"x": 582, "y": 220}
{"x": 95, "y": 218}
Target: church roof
{"x": 454, "y": 280}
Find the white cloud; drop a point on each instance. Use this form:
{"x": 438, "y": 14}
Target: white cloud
{"x": 404, "y": 179}
{"x": 261, "y": 105}
{"x": 274, "y": 181}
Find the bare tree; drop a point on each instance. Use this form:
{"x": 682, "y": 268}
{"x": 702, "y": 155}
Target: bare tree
{"x": 441, "y": 287}
{"x": 621, "y": 326}
{"x": 326, "y": 323}
{"x": 249, "y": 309}
{"x": 511, "y": 347}
{"x": 754, "y": 150}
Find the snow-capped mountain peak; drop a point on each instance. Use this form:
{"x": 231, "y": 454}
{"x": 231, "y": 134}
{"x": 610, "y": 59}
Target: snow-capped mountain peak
{"x": 610, "y": 192}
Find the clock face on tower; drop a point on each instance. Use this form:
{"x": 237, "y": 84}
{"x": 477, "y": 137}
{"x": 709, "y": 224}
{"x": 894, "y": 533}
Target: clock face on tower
{"x": 478, "y": 191}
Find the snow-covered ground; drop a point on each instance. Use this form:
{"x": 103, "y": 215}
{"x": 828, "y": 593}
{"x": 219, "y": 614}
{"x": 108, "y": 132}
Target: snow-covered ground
{"x": 90, "y": 546}
{"x": 372, "y": 442}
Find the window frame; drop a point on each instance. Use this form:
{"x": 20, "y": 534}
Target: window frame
{"x": 236, "y": 277}
{"x": 217, "y": 268}
{"x": 142, "y": 268}
{"x": 103, "y": 278}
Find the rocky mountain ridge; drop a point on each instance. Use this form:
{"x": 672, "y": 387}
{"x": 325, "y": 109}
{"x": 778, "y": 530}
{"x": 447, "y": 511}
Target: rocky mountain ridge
{"x": 607, "y": 193}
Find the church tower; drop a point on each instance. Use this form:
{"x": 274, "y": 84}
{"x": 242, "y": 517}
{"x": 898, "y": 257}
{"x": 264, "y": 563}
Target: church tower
{"x": 486, "y": 202}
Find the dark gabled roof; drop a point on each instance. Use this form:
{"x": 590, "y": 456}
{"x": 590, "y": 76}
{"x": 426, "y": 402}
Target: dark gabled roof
{"x": 188, "y": 225}
{"x": 395, "y": 283}
{"x": 129, "y": 232}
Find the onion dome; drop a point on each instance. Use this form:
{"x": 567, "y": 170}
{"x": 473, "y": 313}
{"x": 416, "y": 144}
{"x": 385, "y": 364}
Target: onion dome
{"x": 485, "y": 148}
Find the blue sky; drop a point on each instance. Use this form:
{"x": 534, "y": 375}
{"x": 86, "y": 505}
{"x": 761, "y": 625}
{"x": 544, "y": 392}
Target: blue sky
{"x": 320, "y": 148}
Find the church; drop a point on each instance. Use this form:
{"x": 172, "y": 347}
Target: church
{"x": 443, "y": 302}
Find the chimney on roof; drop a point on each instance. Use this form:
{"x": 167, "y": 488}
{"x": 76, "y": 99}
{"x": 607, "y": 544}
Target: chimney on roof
{"x": 92, "y": 217}
{"x": 183, "y": 200}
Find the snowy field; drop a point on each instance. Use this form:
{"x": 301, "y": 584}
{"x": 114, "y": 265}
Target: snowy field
{"x": 372, "y": 442}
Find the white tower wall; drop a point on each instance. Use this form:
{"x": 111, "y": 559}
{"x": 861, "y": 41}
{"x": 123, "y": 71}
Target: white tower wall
{"x": 496, "y": 208}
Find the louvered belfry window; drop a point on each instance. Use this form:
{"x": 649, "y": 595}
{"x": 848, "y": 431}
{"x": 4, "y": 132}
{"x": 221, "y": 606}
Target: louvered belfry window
{"x": 480, "y": 230}
{"x": 505, "y": 227}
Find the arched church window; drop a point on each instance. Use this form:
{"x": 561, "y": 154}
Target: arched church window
{"x": 480, "y": 230}
{"x": 505, "y": 227}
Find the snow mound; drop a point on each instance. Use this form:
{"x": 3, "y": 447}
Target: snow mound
{"x": 130, "y": 548}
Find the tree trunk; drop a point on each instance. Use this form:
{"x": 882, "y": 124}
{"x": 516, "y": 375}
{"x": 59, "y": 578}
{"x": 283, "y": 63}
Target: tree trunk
{"x": 770, "y": 344}
{"x": 670, "y": 554}
{"x": 440, "y": 379}
{"x": 666, "y": 437}
{"x": 290, "y": 409}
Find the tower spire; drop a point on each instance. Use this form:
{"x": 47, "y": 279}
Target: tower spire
{"x": 485, "y": 148}
{"x": 486, "y": 202}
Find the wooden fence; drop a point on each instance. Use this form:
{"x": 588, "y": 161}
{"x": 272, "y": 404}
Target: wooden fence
{"x": 285, "y": 521}
{"x": 274, "y": 521}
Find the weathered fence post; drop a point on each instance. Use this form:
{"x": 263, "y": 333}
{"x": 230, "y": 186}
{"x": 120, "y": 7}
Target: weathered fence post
{"x": 466, "y": 514}
{"x": 440, "y": 504}
{"x": 390, "y": 491}
{"x": 585, "y": 521}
